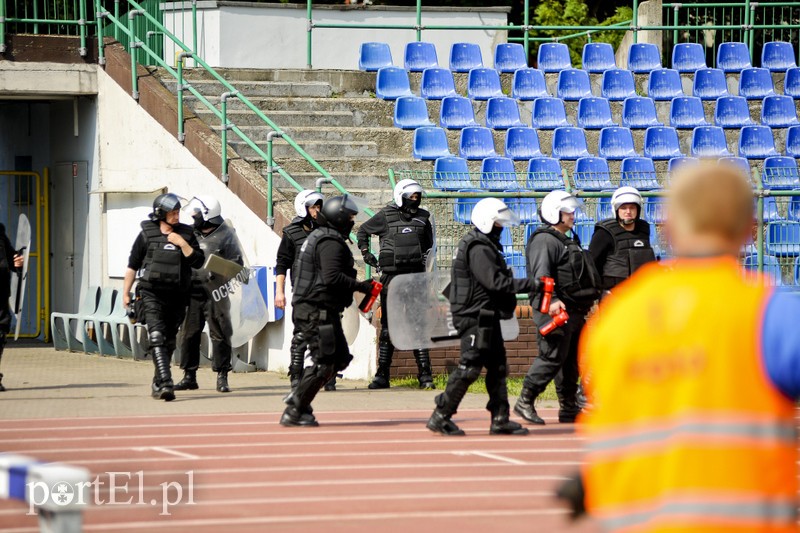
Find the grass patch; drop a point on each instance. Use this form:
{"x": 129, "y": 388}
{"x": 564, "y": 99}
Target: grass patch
{"x": 479, "y": 387}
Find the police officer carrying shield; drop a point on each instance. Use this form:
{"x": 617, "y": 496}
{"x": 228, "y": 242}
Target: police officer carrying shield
{"x": 217, "y": 237}
{"x": 405, "y": 236}
{"x": 325, "y": 280}
{"x": 307, "y": 205}
{"x": 482, "y": 291}
{"x": 620, "y": 245}
{"x": 551, "y": 253}
{"x": 10, "y": 262}
{"x": 163, "y": 254}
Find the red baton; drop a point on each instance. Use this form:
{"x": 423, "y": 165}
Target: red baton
{"x": 548, "y": 284}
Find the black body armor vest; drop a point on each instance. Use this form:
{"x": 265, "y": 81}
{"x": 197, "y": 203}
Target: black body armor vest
{"x": 298, "y": 234}
{"x": 162, "y": 264}
{"x": 402, "y": 246}
{"x": 309, "y": 287}
{"x": 631, "y": 250}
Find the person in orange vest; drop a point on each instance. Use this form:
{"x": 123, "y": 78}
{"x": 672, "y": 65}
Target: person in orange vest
{"x": 694, "y": 426}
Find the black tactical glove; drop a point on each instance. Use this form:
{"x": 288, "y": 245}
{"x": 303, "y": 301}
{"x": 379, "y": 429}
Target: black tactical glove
{"x": 369, "y": 258}
{"x": 364, "y": 286}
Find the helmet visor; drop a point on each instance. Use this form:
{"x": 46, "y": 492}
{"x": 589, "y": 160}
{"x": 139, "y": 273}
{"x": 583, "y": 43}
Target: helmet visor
{"x": 356, "y": 204}
{"x": 195, "y": 207}
{"x": 571, "y": 204}
{"x": 507, "y": 218}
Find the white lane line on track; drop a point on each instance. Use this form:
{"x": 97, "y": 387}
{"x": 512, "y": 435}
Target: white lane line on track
{"x": 168, "y": 451}
{"x": 494, "y": 456}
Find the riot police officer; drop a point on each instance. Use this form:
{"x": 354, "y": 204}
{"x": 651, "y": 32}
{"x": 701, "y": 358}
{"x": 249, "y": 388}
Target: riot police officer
{"x": 551, "y": 253}
{"x": 215, "y": 236}
{"x": 162, "y": 255}
{"x": 306, "y": 205}
{"x": 482, "y": 291}
{"x": 10, "y": 262}
{"x": 405, "y": 237}
{"x": 324, "y": 284}
{"x": 620, "y": 245}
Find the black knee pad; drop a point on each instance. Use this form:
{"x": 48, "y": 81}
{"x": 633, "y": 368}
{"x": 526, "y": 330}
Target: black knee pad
{"x": 469, "y": 372}
{"x": 157, "y": 338}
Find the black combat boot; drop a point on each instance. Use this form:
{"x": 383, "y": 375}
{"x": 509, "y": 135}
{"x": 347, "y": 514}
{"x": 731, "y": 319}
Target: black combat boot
{"x": 2, "y": 388}
{"x": 501, "y": 425}
{"x": 441, "y": 423}
{"x": 425, "y": 376}
{"x": 222, "y": 381}
{"x": 330, "y": 386}
{"x": 297, "y": 352}
{"x": 385, "y": 353}
{"x": 568, "y": 411}
{"x": 189, "y": 381}
{"x": 163, "y": 388}
{"x": 293, "y": 417}
{"x": 524, "y": 406}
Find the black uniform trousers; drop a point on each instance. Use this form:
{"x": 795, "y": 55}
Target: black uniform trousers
{"x": 203, "y": 308}
{"x": 164, "y": 311}
{"x": 322, "y": 328}
{"x": 385, "y": 280}
{"x": 557, "y": 359}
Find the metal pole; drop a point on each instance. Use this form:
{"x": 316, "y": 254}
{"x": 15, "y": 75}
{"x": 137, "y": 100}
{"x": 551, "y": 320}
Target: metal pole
{"x": 194, "y": 30}
{"x": 760, "y": 221}
{"x": 181, "y": 88}
{"x": 2, "y": 26}
{"x": 132, "y": 46}
{"x": 116, "y": 17}
{"x": 225, "y": 127}
{"x": 747, "y": 30}
{"x": 752, "y": 33}
{"x": 675, "y": 18}
{"x": 270, "y": 170}
{"x": 309, "y": 27}
{"x": 525, "y": 32}
{"x": 635, "y": 21}
{"x": 82, "y": 28}
{"x": 419, "y": 20}
{"x": 100, "y": 14}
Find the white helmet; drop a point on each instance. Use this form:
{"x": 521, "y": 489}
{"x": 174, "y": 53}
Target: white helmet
{"x": 208, "y": 207}
{"x": 626, "y": 195}
{"x": 491, "y": 210}
{"x": 404, "y": 189}
{"x": 304, "y": 200}
{"x": 555, "y": 203}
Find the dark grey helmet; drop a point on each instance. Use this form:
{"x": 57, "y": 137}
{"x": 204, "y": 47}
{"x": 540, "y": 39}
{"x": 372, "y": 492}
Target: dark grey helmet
{"x": 337, "y": 212}
{"x": 163, "y": 204}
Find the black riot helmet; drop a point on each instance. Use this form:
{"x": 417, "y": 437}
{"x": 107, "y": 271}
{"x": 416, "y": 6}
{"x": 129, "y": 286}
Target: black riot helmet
{"x": 163, "y": 204}
{"x": 337, "y": 213}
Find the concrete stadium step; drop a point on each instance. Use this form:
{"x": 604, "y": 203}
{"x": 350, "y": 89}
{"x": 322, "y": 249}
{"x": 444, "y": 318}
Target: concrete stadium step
{"x": 341, "y": 81}
{"x": 315, "y": 149}
{"x": 389, "y": 140}
{"x": 284, "y": 119}
{"x": 344, "y": 166}
{"x": 269, "y": 104}
{"x": 259, "y": 88}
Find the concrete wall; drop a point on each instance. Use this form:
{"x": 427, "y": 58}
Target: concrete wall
{"x": 244, "y": 34}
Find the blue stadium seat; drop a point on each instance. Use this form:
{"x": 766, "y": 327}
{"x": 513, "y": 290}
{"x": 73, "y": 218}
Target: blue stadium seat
{"x": 569, "y": 143}
{"x": 688, "y": 57}
{"x": 778, "y": 111}
{"x": 778, "y": 56}
{"x": 451, "y": 174}
{"x": 756, "y": 142}
{"x": 528, "y": 84}
{"x": 687, "y": 113}
{"x": 498, "y": 174}
{"x": 732, "y": 112}
{"x": 437, "y": 83}
{"x": 770, "y": 209}
{"x": 771, "y": 266}
{"x": 677, "y": 162}
{"x": 456, "y": 112}
{"x": 465, "y": 57}
{"x": 618, "y": 84}
{"x": 643, "y": 57}
{"x": 783, "y": 239}
{"x": 794, "y": 208}
{"x": 709, "y": 142}
{"x": 525, "y": 208}
{"x": 661, "y": 143}
{"x": 740, "y": 162}
{"x": 780, "y": 172}
{"x": 430, "y": 143}
{"x": 573, "y": 84}
{"x": 598, "y": 57}
{"x": 462, "y": 211}
{"x": 793, "y": 142}
{"x": 639, "y": 172}
{"x": 709, "y": 84}
{"x": 755, "y": 83}
{"x": 733, "y": 57}
{"x": 594, "y": 113}
{"x": 553, "y": 57}
{"x": 548, "y": 113}
{"x": 502, "y": 113}
{"x": 592, "y": 174}
{"x": 604, "y": 209}
{"x": 791, "y": 84}
{"x": 476, "y": 143}
{"x": 664, "y": 84}
{"x": 516, "y": 262}
{"x": 373, "y": 56}
{"x": 392, "y": 83}
{"x": 654, "y": 210}
{"x": 544, "y": 174}
{"x": 420, "y": 55}
{"x": 616, "y": 143}
{"x": 639, "y": 112}
{"x": 509, "y": 57}
{"x": 522, "y": 144}
{"x": 483, "y": 83}
{"x": 584, "y": 229}
{"x": 411, "y": 112}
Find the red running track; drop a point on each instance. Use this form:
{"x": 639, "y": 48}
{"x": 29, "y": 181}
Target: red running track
{"x": 359, "y": 471}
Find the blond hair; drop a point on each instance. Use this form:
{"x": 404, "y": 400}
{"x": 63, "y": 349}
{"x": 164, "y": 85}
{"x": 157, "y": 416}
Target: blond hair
{"x": 711, "y": 199}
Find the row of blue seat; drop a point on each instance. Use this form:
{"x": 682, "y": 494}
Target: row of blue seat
{"x": 616, "y": 143}
{"x": 638, "y": 112}
{"x": 574, "y": 84}
{"x": 776, "y": 56}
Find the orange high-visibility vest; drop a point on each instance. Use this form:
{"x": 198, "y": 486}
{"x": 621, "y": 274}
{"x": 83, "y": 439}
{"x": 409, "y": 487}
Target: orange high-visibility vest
{"x": 688, "y": 433}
